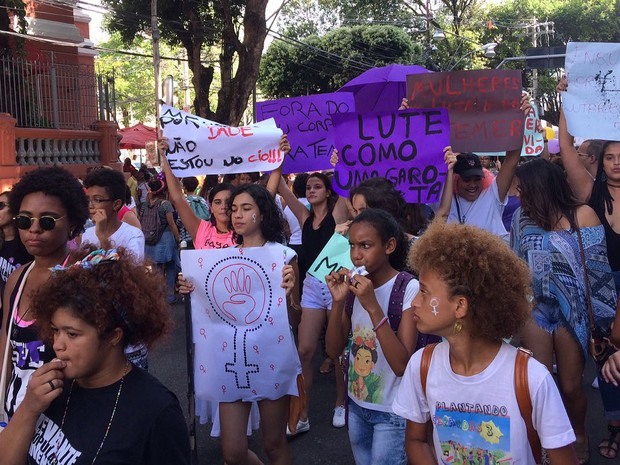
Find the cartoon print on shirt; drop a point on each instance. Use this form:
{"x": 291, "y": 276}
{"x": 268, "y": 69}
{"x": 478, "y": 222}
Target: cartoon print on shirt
{"x": 363, "y": 384}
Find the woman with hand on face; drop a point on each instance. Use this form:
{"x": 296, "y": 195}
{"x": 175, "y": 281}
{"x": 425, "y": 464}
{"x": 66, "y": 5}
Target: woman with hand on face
{"x": 257, "y": 222}
{"x": 381, "y": 343}
{"x": 90, "y": 404}
{"x": 50, "y": 209}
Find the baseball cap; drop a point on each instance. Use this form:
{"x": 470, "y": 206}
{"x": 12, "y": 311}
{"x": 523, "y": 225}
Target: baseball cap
{"x": 467, "y": 165}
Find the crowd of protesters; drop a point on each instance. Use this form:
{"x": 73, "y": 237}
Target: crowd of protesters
{"x": 421, "y": 334}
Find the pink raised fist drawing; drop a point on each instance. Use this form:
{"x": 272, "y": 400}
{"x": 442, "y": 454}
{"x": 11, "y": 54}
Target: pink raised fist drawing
{"x": 240, "y": 303}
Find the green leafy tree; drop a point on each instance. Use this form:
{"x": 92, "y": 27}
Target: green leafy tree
{"x": 574, "y": 20}
{"x": 235, "y": 28}
{"x": 8, "y": 7}
{"x": 324, "y": 64}
{"x": 134, "y": 82}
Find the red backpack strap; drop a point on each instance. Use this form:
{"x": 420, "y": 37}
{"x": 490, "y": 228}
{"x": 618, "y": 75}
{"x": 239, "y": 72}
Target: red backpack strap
{"x": 524, "y": 401}
{"x": 425, "y": 364}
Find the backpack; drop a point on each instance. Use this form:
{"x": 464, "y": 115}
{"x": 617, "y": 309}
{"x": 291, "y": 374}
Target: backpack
{"x": 151, "y": 222}
{"x": 522, "y": 391}
{"x": 199, "y": 206}
{"x": 394, "y": 314}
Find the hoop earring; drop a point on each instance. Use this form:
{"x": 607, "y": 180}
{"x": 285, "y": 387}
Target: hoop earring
{"x": 458, "y": 326}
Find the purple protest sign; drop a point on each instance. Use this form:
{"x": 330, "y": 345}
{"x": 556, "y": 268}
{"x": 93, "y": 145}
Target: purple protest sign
{"x": 405, "y": 147}
{"x": 308, "y": 123}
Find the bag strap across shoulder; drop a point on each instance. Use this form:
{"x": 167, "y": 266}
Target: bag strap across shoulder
{"x": 524, "y": 401}
{"x": 522, "y": 391}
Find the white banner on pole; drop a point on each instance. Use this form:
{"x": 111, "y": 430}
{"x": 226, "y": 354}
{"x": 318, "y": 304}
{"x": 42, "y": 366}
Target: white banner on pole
{"x": 592, "y": 102}
{"x": 199, "y": 146}
{"x": 244, "y": 347}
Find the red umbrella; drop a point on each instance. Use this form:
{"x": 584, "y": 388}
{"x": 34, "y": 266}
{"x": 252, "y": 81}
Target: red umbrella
{"x": 135, "y": 137}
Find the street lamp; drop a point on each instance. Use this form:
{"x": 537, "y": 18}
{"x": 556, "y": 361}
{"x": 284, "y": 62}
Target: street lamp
{"x": 439, "y": 34}
{"x": 488, "y": 49}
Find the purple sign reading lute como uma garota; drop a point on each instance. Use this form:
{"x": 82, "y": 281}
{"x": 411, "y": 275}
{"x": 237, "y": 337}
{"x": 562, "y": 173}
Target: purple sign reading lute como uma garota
{"x": 308, "y": 123}
{"x": 405, "y": 147}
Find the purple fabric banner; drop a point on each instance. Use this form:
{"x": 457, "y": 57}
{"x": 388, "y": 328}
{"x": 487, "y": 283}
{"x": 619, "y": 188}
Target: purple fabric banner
{"x": 405, "y": 147}
{"x": 308, "y": 123}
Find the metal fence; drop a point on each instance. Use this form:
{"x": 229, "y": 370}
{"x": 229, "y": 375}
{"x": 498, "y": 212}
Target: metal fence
{"x": 46, "y": 94}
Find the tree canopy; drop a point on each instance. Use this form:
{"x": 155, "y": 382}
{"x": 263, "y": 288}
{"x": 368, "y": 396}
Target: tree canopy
{"x": 324, "y": 64}
{"x": 235, "y": 28}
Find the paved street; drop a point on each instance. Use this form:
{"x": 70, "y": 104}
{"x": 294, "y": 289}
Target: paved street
{"x": 323, "y": 444}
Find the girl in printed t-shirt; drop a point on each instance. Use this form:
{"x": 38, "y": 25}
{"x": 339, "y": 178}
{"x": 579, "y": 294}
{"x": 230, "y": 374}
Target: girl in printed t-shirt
{"x": 378, "y": 356}
{"x": 474, "y": 291}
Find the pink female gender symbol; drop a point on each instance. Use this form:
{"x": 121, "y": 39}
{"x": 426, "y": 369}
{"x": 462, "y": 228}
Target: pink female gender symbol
{"x": 202, "y": 368}
{"x": 203, "y": 333}
{"x": 280, "y": 299}
{"x": 223, "y": 388}
{"x": 270, "y": 320}
{"x": 272, "y": 366}
{"x": 224, "y": 345}
{"x": 280, "y": 339}
{"x": 200, "y": 260}
{"x": 255, "y": 347}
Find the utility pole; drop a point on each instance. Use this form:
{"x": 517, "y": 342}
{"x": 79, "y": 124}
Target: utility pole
{"x": 155, "y": 38}
{"x": 536, "y": 30}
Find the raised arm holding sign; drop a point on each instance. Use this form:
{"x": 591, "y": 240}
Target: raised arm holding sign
{"x": 308, "y": 123}
{"x": 198, "y": 146}
{"x": 402, "y": 146}
{"x": 483, "y": 106}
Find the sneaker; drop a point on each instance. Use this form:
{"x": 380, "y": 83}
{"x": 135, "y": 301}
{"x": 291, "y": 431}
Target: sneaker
{"x": 339, "y": 417}
{"x": 302, "y": 427}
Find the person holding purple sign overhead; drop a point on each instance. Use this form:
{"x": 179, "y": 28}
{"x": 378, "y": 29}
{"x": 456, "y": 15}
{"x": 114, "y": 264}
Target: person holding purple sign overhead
{"x": 318, "y": 225}
{"x": 467, "y": 199}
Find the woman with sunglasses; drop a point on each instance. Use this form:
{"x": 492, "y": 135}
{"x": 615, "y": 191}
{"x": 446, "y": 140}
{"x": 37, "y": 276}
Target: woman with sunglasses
{"x": 50, "y": 209}
{"x": 13, "y": 254}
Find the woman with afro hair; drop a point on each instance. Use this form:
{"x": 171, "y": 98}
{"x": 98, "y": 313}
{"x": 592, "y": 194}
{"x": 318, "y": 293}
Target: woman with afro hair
{"x": 50, "y": 209}
{"x": 475, "y": 292}
{"x": 90, "y": 404}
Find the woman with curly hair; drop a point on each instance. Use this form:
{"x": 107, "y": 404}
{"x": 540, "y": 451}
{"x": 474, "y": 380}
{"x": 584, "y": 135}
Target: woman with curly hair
{"x": 555, "y": 233}
{"x": 474, "y": 292}
{"x": 50, "y": 209}
{"x": 90, "y": 404}
{"x": 258, "y": 222}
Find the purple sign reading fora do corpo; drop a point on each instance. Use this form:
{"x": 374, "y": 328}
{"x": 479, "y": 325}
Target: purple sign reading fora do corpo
{"x": 405, "y": 147}
{"x": 308, "y": 123}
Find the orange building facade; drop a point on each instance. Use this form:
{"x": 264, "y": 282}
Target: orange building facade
{"x": 51, "y": 110}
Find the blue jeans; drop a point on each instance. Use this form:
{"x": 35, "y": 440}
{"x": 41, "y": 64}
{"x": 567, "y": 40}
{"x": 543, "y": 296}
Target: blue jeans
{"x": 377, "y": 438}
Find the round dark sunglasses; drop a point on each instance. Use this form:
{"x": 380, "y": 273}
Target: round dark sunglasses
{"x": 47, "y": 223}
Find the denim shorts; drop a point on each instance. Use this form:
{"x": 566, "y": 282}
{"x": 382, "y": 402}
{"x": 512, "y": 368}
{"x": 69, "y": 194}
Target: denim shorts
{"x": 316, "y": 294}
{"x": 376, "y": 437}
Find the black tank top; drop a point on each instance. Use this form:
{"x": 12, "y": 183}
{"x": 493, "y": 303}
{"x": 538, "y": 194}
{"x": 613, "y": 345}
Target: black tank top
{"x": 613, "y": 244}
{"x": 313, "y": 241}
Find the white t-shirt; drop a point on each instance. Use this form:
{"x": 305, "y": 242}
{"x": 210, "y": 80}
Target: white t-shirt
{"x": 293, "y": 223}
{"x": 479, "y": 414}
{"x": 126, "y": 236}
{"x": 485, "y": 212}
{"x": 372, "y": 383}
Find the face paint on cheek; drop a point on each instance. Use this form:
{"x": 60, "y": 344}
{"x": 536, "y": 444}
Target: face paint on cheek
{"x": 254, "y": 217}
{"x": 434, "y": 303}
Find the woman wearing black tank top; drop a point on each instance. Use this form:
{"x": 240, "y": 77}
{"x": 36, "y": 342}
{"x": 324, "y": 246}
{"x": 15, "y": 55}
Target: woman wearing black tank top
{"x": 602, "y": 194}
{"x": 318, "y": 225}
{"x": 50, "y": 209}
